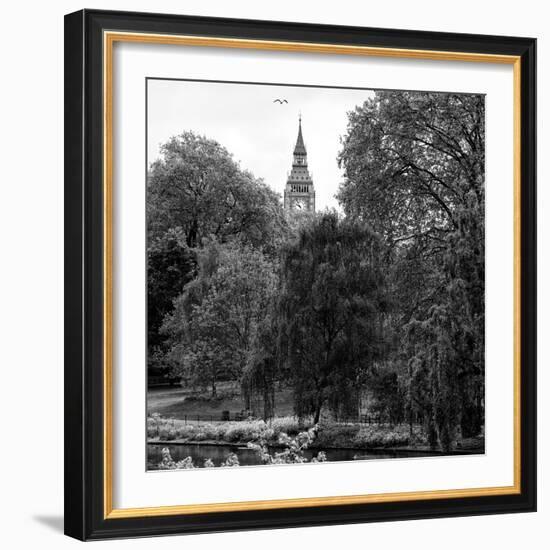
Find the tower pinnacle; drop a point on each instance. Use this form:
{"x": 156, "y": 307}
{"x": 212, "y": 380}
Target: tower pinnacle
{"x": 300, "y": 148}
{"x": 299, "y": 191}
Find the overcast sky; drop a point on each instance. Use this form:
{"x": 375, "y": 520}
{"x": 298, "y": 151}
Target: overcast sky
{"x": 259, "y": 133}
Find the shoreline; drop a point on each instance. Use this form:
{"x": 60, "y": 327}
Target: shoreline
{"x": 380, "y": 450}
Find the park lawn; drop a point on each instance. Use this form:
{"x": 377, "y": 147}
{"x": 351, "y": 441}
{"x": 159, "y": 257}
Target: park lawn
{"x": 181, "y": 403}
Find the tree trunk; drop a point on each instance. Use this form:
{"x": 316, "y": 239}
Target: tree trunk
{"x": 246, "y": 395}
{"x": 192, "y": 235}
{"x": 318, "y": 408}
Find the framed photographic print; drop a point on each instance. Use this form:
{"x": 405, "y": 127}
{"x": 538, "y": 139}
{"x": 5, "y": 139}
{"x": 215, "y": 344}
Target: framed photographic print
{"x": 300, "y": 274}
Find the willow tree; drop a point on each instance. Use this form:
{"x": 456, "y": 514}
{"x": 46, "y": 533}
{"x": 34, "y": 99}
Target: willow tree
{"x": 331, "y": 301}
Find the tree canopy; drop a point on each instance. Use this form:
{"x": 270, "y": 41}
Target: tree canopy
{"x": 216, "y": 319}
{"x": 332, "y": 299}
{"x": 412, "y": 161}
{"x": 197, "y": 185}
{"x": 414, "y": 166}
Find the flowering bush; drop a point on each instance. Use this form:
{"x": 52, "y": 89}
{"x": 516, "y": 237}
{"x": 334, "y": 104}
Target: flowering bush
{"x": 293, "y": 452}
{"x": 168, "y": 463}
{"x": 294, "y": 448}
{"x": 231, "y": 461}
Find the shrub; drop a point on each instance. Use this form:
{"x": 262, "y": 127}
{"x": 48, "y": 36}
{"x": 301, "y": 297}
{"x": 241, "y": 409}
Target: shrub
{"x": 152, "y": 429}
{"x": 289, "y": 425}
{"x": 329, "y": 435}
{"x": 153, "y": 425}
{"x": 294, "y": 448}
{"x": 167, "y": 462}
{"x": 209, "y": 431}
{"x": 337, "y": 435}
{"x": 163, "y": 433}
{"x": 244, "y": 431}
{"x": 375, "y": 436}
{"x": 231, "y": 461}
{"x": 186, "y": 431}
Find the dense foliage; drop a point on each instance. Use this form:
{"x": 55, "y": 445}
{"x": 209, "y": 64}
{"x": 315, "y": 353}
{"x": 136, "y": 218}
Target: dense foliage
{"x": 331, "y": 306}
{"x": 414, "y": 170}
{"x": 197, "y": 193}
{"x": 214, "y": 326}
{"x": 197, "y": 186}
{"x": 171, "y": 264}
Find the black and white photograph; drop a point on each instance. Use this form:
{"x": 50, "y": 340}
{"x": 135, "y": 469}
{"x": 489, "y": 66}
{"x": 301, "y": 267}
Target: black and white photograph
{"x": 315, "y": 274}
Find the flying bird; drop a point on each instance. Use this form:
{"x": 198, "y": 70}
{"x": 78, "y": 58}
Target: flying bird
{"x": 281, "y": 101}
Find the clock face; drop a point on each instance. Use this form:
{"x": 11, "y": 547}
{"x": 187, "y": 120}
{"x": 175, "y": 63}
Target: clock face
{"x": 300, "y": 204}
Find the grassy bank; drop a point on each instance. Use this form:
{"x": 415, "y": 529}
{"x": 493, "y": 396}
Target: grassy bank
{"x": 350, "y": 436}
{"x": 172, "y": 429}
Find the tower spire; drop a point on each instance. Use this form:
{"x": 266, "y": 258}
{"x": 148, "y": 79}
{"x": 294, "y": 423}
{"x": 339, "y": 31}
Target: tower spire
{"x": 300, "y": 148}
{"x": 299, "y": 191}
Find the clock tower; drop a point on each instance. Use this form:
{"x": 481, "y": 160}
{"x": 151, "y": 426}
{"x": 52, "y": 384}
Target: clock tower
{"x": 299, "y": 191}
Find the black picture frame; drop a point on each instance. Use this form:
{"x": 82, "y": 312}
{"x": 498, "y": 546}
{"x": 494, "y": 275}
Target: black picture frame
{"x": 84, "y": 282}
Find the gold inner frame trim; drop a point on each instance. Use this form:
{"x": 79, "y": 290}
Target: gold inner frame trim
{"x": 109, "y": 39}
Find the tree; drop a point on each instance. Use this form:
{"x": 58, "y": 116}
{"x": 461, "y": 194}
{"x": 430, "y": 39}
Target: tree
{"x": 262, "y": 370}
{"x": 411, "y": 160}
{"x": 414, "y": 170}
{"x": 383, "y": 383}
{"x": 170, "y": 266}
{"x": 215, "y": 322}
{"x": 331, "y": 299}
{"x": 196, "y": 185}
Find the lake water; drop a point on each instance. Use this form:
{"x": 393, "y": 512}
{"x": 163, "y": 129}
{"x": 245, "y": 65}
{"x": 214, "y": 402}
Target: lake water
{"x": 247, "y": 457}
